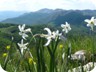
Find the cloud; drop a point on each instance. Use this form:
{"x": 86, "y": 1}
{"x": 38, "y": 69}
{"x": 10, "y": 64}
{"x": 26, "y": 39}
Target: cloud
{"x": 83, "y": 4}
{"x": 94, "y": 2}
{"x": 33, "y": 5}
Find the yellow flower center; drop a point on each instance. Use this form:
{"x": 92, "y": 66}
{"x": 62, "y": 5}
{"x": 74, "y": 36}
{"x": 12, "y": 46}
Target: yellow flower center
{"x": 92, "y": 22}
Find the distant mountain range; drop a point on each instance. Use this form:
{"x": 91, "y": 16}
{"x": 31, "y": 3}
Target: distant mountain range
{"x": 9, "y": 14}
{"x": 58, "y": 16}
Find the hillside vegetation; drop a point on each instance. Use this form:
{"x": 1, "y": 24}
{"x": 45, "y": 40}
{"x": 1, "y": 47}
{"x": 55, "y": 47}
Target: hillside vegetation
{"x": 58, "y": 16}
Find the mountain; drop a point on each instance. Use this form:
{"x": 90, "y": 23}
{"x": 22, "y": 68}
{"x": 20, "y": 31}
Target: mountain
{"x": 45, "y": 10}
{"x": 9, "y": 14}
{"x": 72, "y": 17}
{"x": 57, "y": 16}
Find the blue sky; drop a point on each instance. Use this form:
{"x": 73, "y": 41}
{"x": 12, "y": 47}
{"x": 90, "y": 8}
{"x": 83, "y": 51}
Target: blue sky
{"x": 34, "y": 5}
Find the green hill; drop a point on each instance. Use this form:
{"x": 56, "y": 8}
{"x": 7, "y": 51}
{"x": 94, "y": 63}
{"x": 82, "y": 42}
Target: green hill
{"x": 57, "y": 17}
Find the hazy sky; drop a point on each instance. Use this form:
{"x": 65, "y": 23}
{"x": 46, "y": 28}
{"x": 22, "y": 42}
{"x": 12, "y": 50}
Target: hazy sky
{"x": 33, "y": 5}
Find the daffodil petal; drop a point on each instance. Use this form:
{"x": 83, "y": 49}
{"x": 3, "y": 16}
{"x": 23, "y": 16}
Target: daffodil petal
{"x": 48, "y": 30}
{"x": 26, "y": 44}
{"x": 66, "y": 23}
{"x": 86, "y": 20}
{"x": 28, "y": 30}
{"x": 66, "y": 31}
{"x": 1, "y": 69}
{"x": 57, "y": 32}
{"x": 20, "y": 33}
{"x": 63, "y": 29}
{"x": 70, "y": 28}
{"x": 48, "y": 42}
{"x": 22, "y": 41}
{"x": 23, "y": 26}
{"x": 94, "y": 21}
{"x": 18, "y": 44}
{"x": 20, "y": 27}
{"x": 62, "y": 25}
{"x": 24, "y": 36}
{"x": 22, "y": 51}
{"x": 88, "y": 25}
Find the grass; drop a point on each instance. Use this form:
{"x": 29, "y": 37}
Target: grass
{"x": 7, "y": 30}
{"x": 77, "y": 43}
{"x": 46, "y": 59}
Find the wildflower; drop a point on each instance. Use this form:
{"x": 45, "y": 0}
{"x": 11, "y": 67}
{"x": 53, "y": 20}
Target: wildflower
{"x": 66, "y": 27}
{"x": 4, "y": 54}
{"x": 56, "y": 34}
{"x": 50, "y": 35}
{"x": 8, "y": 47}
{"x": 91, "y": 23}
{"x": 22, "y": 46}
{"x": 30, "y": 60}
{"x": 23, "y": 31}
{"x": 1, "y": 69}
{"x": 60, "y": 46}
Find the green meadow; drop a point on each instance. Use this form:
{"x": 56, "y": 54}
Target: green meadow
{"x": 40, "y": 58}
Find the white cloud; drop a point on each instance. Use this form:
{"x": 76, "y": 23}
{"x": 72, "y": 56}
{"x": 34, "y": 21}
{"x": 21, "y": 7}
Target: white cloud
{"x": 94, "y": 2}
{"x": 33, "y": 5}
{"x": 83, "y": 4}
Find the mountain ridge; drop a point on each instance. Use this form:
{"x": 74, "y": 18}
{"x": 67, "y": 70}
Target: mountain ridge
{"x": 57, "y": 16}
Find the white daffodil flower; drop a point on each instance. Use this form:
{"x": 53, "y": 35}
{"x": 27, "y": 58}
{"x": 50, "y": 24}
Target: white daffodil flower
{"x": 91, "y": 23}
{"x": 22, "y": 46}
{"x": 1, "y": 69}
{"x": 23, "y": 31}
{"x": 56, "y": 34}
{"x": 50, "y": 35}
{"x": 66, "y": 27}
